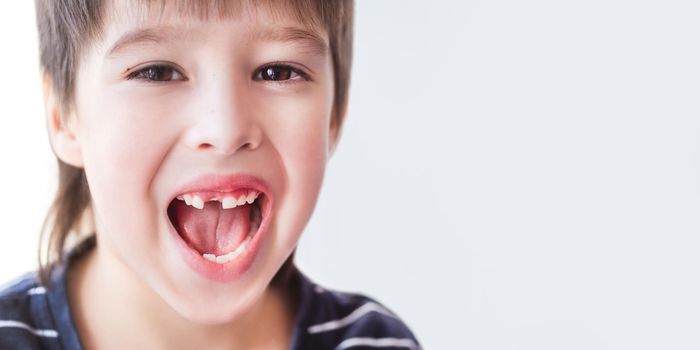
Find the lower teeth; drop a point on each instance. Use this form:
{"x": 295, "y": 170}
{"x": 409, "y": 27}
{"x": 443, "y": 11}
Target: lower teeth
{"x": 220, "y": 259}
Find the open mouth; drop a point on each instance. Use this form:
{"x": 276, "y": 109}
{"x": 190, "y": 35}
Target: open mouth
{"x": 218, "y": 225}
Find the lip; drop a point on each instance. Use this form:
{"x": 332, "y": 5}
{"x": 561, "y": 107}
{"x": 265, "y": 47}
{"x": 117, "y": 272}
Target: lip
{"x": 233, "y": 269}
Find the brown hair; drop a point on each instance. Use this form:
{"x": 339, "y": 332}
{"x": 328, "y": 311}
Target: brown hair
{"x": 67, "y": 26}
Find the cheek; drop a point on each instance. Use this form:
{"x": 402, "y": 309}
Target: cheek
{"x": 117, "y": 161}
{"x": 123, "y": 145}
{"x": 299, "y": 130}
{"x": 300, "y": 136}
{"x": 125, "y": 137}
{"x": 306, "y": 155}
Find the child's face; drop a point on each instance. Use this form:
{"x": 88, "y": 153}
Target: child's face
{"x": 207, "y": 106}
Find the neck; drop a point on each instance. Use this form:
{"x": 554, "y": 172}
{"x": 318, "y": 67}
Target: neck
{"x": 132, "y": 315}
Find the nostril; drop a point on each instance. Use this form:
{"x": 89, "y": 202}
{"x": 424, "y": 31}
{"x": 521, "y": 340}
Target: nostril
{"x": 206, "y": 146}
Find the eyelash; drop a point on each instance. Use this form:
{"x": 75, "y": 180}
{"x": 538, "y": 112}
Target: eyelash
{"x": 300, "y": 72}
{"x": 140, "y": 73}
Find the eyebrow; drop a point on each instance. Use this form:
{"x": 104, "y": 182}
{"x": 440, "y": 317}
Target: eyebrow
{"x": 312, "y": 41}
{"x": 309, "y": 39}
{"x": 140, "y": 36}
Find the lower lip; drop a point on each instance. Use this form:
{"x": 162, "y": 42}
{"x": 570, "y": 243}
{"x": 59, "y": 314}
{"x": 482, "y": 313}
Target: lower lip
{"x": 230, "y": 270}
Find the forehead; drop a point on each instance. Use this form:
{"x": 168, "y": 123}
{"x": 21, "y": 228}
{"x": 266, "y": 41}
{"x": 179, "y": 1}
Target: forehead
{"x": 272, "y": 20}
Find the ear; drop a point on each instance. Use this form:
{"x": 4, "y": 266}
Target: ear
{"x": 62, "y": 128}
{"x": 336, "y": 128}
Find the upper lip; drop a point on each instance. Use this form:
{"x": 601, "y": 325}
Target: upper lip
{"x": 222, "y": 183}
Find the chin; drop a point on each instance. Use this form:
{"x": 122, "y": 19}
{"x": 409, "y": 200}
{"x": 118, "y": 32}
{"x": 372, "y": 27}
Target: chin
{"x": 214, "y": 311}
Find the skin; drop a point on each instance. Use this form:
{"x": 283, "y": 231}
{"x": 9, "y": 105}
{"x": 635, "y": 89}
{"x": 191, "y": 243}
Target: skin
{"x": 139, "y": 140}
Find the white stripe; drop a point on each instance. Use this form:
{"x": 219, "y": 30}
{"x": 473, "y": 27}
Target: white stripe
{"x": 48, "y": 333}
{"x": 37, "y": 290}
{"x": 378, "y": 343}
{"x": 352, "y": 317}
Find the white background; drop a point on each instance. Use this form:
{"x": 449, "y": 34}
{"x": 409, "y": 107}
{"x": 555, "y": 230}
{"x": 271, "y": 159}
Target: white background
{"x": 512, "y": 175}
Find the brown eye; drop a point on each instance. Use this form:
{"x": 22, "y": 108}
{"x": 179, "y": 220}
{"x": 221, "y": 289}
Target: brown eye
{"x": 279, "y": 73}
{"x": 158, "y": 73}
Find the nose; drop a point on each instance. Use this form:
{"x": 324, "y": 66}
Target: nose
{"x": 223, "y": 120}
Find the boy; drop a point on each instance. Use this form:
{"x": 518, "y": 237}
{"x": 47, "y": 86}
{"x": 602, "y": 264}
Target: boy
{"x": 192, "y": 139}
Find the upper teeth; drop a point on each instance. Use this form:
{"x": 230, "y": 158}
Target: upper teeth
{"x": 197, "y": 202}
{"x": 227, "y": 202}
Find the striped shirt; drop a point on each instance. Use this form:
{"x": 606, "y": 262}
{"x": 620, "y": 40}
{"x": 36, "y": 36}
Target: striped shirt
{"x": 35, "y": 317}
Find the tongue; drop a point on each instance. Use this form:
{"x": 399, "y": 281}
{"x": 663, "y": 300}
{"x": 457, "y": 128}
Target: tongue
{"x": 212, "y": 230}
